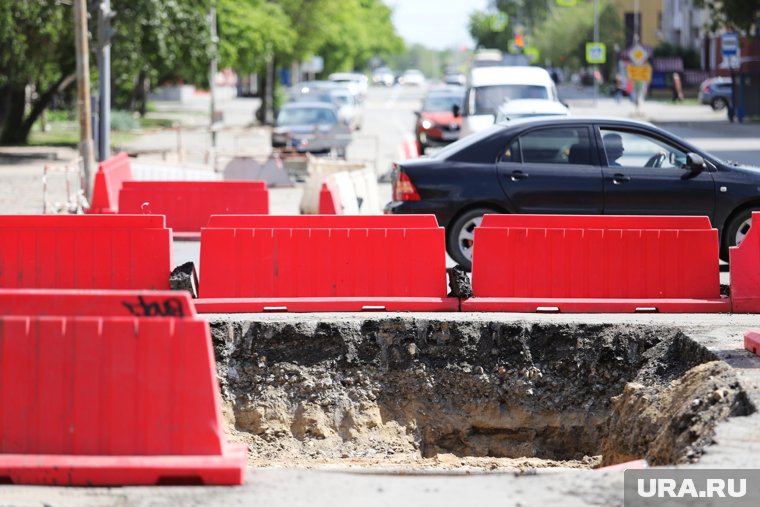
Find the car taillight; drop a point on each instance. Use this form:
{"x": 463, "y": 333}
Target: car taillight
{"x": 403, "y": 188}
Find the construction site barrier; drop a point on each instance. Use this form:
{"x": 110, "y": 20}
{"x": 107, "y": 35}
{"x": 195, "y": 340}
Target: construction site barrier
{"x": 745, "y": 271}
{"x": 323, "y": 263}
{"x": 329, "y": 199}
{"x": 109, "y": 178}
{"x": 547, "y": 263}
{"x": 189, "y": 204}
{"x": 122, "y": 393}
{"x": 85, "y": 252}
{"x": 752, "y": 341}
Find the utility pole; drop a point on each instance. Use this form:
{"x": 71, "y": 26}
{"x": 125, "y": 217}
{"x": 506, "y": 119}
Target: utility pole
{"x": 212, "y": 73}
{"x": 105, "y": 33}
{"x": 83, "y": 91}
{"x": 596, "y": 40}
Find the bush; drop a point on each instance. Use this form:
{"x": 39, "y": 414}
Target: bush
{"x": 123, "y": 120}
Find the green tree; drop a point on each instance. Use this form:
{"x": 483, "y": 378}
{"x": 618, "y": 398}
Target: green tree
{"x": 38, "y": 57}
{"x": 250, "y": 32}
{"x": 157, "y": 41}
{"x": 741, "y": 15}
{"x": 562, "y": 37}
{"x": 495, "y": 27}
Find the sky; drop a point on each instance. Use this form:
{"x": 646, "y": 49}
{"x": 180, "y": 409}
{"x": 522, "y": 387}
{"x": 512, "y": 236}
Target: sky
{"x": 438, "y": 24}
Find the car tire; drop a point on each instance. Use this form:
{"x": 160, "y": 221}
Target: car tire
{"x": 461, "y": 234}
{"x": 736, "y": 231}
{"x": 718, "y": 103}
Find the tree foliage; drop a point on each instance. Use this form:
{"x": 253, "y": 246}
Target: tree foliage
{"x": 170, "y": 40}
{"x": 741, "y": 15}
{"x": 157, "y": 41}
{"x": 495, "y": 27}
{"x": 562, "y": 37}
{"x": 36, "y": 37}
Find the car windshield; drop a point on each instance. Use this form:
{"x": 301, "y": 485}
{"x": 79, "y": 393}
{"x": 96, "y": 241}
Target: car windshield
{"x": 487, "y": 99}
{"x": 341, "y": 99}
{"x": 305, "y": 116}
{"x": 442, "y": 102}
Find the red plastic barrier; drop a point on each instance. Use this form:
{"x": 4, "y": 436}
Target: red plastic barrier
{"x": 590, "y": 264}
{"x": 323, "y": 221}
{"x": 111, "y": 175}
{"x": 85, "y": 252}
{"x": 752, "y": 341}
{"x": 189, "y": 204}
{"x": 127, "y": 397}
{"x": 745, "y": 271}
{"x": 323, "y": 264}
{"x": 329, "y": 200}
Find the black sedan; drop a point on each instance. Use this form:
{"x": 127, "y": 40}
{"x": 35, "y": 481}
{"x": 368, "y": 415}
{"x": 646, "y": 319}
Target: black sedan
{"x": 574, "y": 165}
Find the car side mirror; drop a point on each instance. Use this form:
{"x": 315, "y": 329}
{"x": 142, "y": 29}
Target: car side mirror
{"x": 418, "y": 113}
{"x": 565, "y": 104}
{"x": 455, "y": 110}
{"x": 695, "y": 162}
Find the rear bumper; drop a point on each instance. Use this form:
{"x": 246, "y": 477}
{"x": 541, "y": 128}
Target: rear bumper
{"x": 419, "y": 208}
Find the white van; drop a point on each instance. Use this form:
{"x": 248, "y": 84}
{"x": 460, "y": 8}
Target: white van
{"x": 490, "y": 87}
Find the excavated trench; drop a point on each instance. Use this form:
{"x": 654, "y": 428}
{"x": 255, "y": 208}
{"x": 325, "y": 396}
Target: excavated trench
{"x": 583, "y": 395}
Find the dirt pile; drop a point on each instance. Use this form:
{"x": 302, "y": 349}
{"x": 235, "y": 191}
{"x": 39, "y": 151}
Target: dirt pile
{"x": 488, "y": 394}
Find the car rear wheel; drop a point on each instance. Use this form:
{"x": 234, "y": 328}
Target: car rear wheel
{"x": 737, "y": 230}
{"x": 718, "y": 103}
{"x": 461, "y": 236}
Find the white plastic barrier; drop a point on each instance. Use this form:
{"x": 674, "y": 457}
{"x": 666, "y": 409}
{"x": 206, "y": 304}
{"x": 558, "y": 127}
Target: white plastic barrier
{"x": 158, "y": 172}
{"x": 321, "y": 168}
{"x": 346, "y": 192}
{"x": 365, "y": 187}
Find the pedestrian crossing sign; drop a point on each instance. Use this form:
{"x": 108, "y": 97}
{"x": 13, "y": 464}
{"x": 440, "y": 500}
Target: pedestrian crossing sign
{"x": 596, "y": 52}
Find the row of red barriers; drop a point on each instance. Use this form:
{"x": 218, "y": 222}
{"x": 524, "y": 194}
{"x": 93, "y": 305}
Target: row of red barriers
{"x": 187, "y": 205}
{"x": 394, "y": 262}
{"x": 110, "y": 388}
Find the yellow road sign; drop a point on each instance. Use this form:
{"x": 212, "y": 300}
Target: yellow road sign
{"x": 639, "y": 72}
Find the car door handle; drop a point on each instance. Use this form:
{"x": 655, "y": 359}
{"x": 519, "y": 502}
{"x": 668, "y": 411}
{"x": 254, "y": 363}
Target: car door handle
{"x": 518, "y": 175}
{"x": 620, "y": 179}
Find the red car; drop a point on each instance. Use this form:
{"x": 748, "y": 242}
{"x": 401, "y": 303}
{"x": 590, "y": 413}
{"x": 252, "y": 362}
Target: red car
{"x": 437, "y": 125}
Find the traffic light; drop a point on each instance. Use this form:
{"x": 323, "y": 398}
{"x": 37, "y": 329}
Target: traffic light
{"x": 105, "y": 31}
{"x": 519, "y": 41}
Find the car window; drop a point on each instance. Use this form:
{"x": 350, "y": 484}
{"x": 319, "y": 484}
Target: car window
{"x": 634, "y": 149}
{"x": 442, "y": 102}
{"x": 487, "y": 99}
{"x": 566, "y": 145}
{"x": 305, "y": 116}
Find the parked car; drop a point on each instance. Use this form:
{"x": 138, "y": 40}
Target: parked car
{"x": 529, "y": 108}
{"x": 716, "y": 91}
{"x": 412, "y": 77}
{"x": 310, "y": 127}
{"x": 349, "y": 109}
{"x": 454, "y": 77}
{"x": 437, "y": 125}
{"x": 572, "y": 165}
{"x": 356, "y": 82}
{"x": 383, "y": 76}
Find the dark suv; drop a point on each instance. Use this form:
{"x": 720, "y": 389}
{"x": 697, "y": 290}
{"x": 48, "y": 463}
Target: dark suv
{"x": 574, "y": 165}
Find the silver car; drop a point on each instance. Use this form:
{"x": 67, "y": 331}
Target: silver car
{"x": 311, "y": 127}
{"x": 715, "y": 91}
